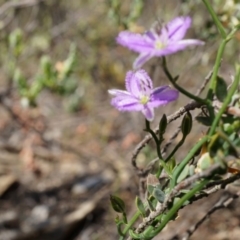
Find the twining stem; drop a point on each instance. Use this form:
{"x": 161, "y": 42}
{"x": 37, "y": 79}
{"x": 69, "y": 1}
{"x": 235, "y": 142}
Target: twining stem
{"x": 183, "y": 163}
{"x": 226, "y": 101}
{"x": 180, "y": 89}
{"x": 215, "y": 19}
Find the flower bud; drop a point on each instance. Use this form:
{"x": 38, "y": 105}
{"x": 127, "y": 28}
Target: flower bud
{"x": 117, "y": 204}
{"x": 186, "y": 126}
{"x": 163, "y": 124}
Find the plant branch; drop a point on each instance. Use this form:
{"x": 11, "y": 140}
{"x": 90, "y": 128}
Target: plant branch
{"x": 215, "y": 19}
{"x": 231, "y": 91}
{"x": 179, "y": 88}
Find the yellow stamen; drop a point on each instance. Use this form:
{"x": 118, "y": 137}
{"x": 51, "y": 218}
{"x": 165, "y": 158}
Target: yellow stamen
{"x": 144, "y": 99}
{"x": 159, "y": 44}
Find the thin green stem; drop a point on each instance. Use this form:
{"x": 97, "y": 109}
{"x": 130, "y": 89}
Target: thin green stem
{"x": 215, "y": 19}
{"x": 213, "y": 80}
{"x": 148, "y": 129}
{"x": 176, "y": 148}
{"x": 185, "y": 161}
{"x": 180, "y": 89}
{"x": 226, "y": 101}
{"x": 130, "y": 224}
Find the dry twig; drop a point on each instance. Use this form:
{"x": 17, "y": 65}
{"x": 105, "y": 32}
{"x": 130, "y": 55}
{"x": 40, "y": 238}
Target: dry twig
{"x": 223, "y": 202}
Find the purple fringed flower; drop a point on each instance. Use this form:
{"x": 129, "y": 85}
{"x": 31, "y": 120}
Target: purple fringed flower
{"x": 155, "y": 43}
{"x": 140, "y": 95}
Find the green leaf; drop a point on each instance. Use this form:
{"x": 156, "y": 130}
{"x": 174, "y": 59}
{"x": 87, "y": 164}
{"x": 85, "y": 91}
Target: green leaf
{"x": 48, "y": 72}
{"x": 159, "y": 194}
{"x": 166, "y": 167}
{"x": 20, "y": 79}
{"x": 151, "y": 205}
{"x": 117, "y": 204}
{"x": 191, "y": 170}
{"x": 204, "y": 162}
{"x": 152, "y": 182}
{"x": 221, "y": 89}
{"x": 206, "y": 121}
{"x": 150, "y": 189}
{"x": 16, "y": 41}
{"x": 171, "y": 164}
{"x": 69, "y": 63}
{"x": 140, "y": 206}
{"x": 183, "y": 174}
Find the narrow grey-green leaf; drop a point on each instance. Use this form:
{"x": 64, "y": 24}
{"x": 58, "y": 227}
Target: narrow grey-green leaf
{"x": 221, "y": 89}
{"x": 159, "y": 195}
{"x": 206, "y": 121}
{"x": 183, "y": 174}
{"x": 140, "y": 206}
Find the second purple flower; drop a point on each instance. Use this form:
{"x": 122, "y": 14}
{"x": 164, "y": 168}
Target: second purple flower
{"x": 156, "y": 43}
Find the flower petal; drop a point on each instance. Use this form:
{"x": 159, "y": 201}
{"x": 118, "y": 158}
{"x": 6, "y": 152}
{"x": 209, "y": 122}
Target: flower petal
{"x": 148, "y": 112}
{"x": 134, "y": 41}
{"x": 138, "y": 83}
{"x": 116, "y": 92}
{"x": 188, "y": 42}
{"x": 178, "y": 27}
{"x": 132, "y": 84}
{"x": 126, "y": 103}
{"x": 174, "y": 47}
{"x": 159, "y": 90}
{"x": 141, "y": 60}
{"x": 152, "y": 35}
{"x": 161, "y": 97}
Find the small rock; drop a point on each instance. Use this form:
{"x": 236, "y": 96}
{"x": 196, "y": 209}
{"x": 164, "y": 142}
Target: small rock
{"x": 40, "y": 213}
{"x": 86, "y": 185}
{"x": 8, "y": 234}
{"x": 38, "y": 219}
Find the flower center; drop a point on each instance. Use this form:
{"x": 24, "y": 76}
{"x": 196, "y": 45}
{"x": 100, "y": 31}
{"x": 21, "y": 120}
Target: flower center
{"x": 144, "y": 100}
{"x": 159, "y": 44}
